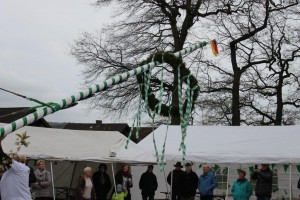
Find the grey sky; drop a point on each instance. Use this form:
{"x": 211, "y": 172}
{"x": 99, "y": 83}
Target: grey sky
{"x": 35, "y": 36}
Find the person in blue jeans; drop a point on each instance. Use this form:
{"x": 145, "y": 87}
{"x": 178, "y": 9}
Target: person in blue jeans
{"x": 263, "y": 178}
{"x": 207, "y": 183}
{"x": 241, "y": 188}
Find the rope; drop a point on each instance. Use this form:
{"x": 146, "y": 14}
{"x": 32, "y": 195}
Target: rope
{"x": 51, "y": 105}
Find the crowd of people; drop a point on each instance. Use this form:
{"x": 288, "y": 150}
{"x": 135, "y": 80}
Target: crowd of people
{"x": 185, "y": 183}
{"x": 21, "y": 182}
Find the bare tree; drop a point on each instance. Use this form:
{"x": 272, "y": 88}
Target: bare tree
{"x": 145, "y": 26}
{"x": 277, "y": 84}
{"x": 245, "y": 31}
{"x": 154, "y": 25}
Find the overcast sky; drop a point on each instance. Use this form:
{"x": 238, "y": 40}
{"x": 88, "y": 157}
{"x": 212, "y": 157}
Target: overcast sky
{"x": 35, "y": 38}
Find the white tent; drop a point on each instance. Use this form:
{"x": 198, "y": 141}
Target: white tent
{"x": 231, "y": 148}
{"x": 72, "y": 150}
{"x": 229, "y": 144}
{"x": 74, "y": 145}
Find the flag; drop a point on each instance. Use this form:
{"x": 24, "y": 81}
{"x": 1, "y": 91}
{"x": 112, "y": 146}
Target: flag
{"x": 214, "y": 47}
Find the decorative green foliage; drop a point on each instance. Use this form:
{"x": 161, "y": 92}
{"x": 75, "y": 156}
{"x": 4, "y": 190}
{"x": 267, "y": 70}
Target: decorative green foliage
{"x": 5, "y": 161}
{"x": 174, "y": 62}
{"x": 21, "y": 140}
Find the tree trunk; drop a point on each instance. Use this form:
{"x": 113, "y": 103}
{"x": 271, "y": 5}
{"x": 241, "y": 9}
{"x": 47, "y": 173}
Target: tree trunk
{"x": 279, "y": 110}
{"x": 235, "y": 107}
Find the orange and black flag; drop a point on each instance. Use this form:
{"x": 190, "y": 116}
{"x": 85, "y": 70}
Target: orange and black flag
{"x": 214, "y": 47}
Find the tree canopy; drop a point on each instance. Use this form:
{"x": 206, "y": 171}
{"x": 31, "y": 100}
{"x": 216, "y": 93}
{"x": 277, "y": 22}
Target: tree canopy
{"x": 259, "y": 49}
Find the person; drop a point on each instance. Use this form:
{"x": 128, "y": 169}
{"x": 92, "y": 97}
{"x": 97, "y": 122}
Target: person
{"x": 148, "y": 184}
{"x": 101, "y": 182}
{"x": 263, "y": 178}
{"x": 124, "y": 178}
{"x": 43, "y": 181}
{"x": 121, "y": 193}
{"x": 188, "y": 182}
{"x": 5, "y": 161}
{"x": 241, "y": 188}
{"x": 14, "y": 182}
{"x": 207, "y": 183}
{"x": 173, "y": 180}
{"x": 32, "y": 178}
{"x": 85, "y": 187}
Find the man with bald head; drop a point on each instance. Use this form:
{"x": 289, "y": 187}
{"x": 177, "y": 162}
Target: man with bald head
{"x": 32, "y": 178}
{"x": 14, "y": 182}
{"x": 207, "y": 183}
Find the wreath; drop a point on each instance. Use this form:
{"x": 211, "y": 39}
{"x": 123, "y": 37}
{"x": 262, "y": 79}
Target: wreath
{"x": 174, "y": 62}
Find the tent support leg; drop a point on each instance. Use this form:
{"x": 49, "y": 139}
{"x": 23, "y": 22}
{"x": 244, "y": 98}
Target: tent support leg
{"x": 52, "y": 180}
{"x": 72, "y": 177}
{"x": 291, "y": 182}
{"x": 166, "y": 180}
{"x": 171, "y": 191}
{"x": 113, "y": 172}
{"x": 227, "y": 184}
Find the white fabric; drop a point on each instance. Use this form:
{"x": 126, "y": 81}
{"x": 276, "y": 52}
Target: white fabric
{"x": 75, "y": 145}
{"x": 229, "y": 144}
{"x": 14, "y": 184}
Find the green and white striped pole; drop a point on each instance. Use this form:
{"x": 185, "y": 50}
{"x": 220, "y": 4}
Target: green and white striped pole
{"x": 54, "y": 107}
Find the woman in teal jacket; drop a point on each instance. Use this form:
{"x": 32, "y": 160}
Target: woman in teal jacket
{"x": 241, "y": 189}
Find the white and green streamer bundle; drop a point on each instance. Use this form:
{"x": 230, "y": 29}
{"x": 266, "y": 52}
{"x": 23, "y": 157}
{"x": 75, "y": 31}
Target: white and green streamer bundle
{"x": 64, "y": 103}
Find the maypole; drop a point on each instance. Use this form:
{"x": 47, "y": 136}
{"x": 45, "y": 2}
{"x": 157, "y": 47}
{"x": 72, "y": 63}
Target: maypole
{"x": 54, "y": 107}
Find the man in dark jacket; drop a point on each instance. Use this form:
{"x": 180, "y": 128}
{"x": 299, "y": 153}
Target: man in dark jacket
{"x": 101, "y": 182}
{"x": 263, "y": 177}
{"x": 188, "y": 183}
{"x": 173, "y": 180}
{"x": 148, "y": 184}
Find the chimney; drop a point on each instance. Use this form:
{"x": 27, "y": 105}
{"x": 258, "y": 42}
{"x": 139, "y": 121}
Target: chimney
{"x": 98, "y": 122}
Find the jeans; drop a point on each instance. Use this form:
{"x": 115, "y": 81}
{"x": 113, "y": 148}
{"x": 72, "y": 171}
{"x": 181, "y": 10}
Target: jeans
{"x": 206, "y": 197}
{"x": 188, "y": 198}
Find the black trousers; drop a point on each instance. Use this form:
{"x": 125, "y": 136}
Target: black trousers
{"x": 175, "y": 196}
{"x": 147, "y": 197}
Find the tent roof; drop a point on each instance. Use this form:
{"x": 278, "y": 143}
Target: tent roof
{"x": 230, "y": 144}
{"x": 74, "y": 145}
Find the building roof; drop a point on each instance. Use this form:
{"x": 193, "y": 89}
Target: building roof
{"x": 99, "y": 126}
{"x": 144, "y": 132}
{"x": 8, "y": 115}
{"x": 121, "y": 127}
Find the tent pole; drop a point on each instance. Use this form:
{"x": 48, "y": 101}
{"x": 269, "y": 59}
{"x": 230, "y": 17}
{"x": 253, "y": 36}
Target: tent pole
{"x": 171, "y": 193}
{"x": 227, "y": 184}
{"x": 113, "y": 172}
{"x": 166, "y": 180}
{"x": 290, "y": 181}
{"x": 52, "y": 180}
{"x": 72, "y": 177}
